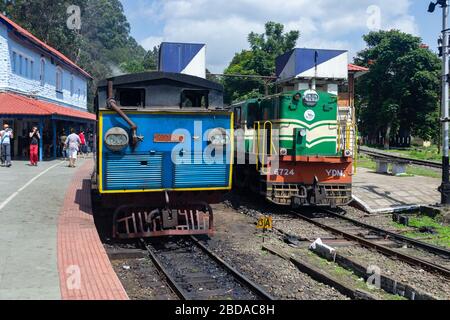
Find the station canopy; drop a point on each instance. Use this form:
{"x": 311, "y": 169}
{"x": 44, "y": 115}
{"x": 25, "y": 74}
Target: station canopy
{"x": 17, "y": 105}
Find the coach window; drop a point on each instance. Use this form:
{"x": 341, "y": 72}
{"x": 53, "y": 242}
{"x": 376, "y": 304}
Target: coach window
{"x": 195, "y": 99}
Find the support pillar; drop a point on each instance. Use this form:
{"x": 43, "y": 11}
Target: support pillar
{"x": 55, "y": 145}
{"x": 41, "y": 141}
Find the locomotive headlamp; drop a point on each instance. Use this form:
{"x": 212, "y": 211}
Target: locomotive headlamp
{"x": 311, "y": 98}
{"x": 297, "y": 97}
{"x": 116, "y": 139}
{"x": 218, "y": 137}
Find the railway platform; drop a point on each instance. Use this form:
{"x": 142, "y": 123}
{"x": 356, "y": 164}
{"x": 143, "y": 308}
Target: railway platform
{"x": 380, "y": 193}
{"x": 49, "y": 246}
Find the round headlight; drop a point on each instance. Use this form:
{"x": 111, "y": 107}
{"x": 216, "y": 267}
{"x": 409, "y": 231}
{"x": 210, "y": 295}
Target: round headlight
{"x": 116, "y": 139}
{"x": 311, "y": 98}
{"x": 218, "y": 137}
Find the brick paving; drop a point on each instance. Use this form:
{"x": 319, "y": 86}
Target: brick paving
{"x": 380, "y": 193}
{"x": 84, "y": 268}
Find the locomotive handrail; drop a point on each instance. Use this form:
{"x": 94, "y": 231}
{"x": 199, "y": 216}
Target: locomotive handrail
{"x": 339, "y": 137}
{"x": 265, "y": 142}
{"x": 257, "y": 127}
{"x": 348, "y": 136}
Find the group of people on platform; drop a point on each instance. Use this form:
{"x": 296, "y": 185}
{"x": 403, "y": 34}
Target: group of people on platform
{"x": 69, "y": 147}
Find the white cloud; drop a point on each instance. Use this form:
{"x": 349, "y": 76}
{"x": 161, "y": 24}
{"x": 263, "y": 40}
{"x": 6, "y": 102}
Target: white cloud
{"x": 224, "y": 25}
{"x": 151, "y": 42}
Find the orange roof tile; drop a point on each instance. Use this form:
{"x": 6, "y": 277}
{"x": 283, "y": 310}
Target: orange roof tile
{"x": 42, "y": 44}
{"x": 355, "y": 68}
{"x": 15, "y": 104}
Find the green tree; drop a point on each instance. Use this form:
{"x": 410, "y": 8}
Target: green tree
{"x": 259, "y": 60}
{"x": 402, "y": 89}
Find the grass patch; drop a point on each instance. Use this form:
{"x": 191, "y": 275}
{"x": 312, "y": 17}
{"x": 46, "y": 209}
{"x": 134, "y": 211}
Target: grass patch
{"x": 366, "y": 162}
{"x": 441, "y": 238}
{"x": 419, "y": 153}
{"x": 346, "y": 275}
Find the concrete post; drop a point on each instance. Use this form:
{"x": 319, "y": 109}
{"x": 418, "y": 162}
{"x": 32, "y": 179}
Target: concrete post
{"x": 55, "y": 146}
{"x": 41, "y": 141}
{"x": 445, "y": 188}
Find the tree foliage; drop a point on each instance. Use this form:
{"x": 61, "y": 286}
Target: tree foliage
{"x": 103, "y": 46}
{"x": 402, "y": 89}
{"x": 259, "y": 60}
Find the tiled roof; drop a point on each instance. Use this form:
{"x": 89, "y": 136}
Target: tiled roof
{"x": 25, "y": 33}
{"x": 355, "y": 68}
{"x": 15, "y": 104}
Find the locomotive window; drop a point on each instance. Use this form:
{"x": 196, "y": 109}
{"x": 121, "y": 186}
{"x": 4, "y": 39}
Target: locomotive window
{"x": 195, "y": 99}
{"x": 253, "y": 114}
{"x": 131, "y": 97}
{"x": 237, "y": 116}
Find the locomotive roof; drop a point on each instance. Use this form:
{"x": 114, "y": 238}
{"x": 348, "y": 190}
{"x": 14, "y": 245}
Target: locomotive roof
{"x": 157, "y": 75}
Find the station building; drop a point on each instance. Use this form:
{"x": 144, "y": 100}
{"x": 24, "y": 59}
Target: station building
{"x": 39, "y": 86}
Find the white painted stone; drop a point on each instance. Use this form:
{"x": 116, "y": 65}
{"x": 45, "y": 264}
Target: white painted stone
{"x": 322, "y": 249}
{"x": 382, "y": 166}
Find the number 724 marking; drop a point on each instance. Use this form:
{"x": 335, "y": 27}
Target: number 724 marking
{"x": 284, "y": 172}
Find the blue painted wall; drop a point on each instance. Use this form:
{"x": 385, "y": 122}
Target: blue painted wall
{"x": 140, "y": 169}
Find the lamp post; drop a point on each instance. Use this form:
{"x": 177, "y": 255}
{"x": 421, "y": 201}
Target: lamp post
{"x": 445, "y": 187}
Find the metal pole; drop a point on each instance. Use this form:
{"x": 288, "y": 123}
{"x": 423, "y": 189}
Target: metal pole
{"x": 445, "y": 188}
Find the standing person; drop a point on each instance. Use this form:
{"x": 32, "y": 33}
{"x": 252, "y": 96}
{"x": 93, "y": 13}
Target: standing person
{"x": 35, "y": 136}
{"x": 73, "y": 145}
{"x": 6, "y": 135}
{"x": 83, "y": 143}
{"x": 91, "y": 142}
{"x": 62, "y": 142}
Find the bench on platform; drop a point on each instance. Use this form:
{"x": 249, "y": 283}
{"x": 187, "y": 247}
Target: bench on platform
{"x": 398, "y": 166}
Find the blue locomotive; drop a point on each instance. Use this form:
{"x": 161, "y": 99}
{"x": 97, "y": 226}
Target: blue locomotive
{"x": 165, "y": 151}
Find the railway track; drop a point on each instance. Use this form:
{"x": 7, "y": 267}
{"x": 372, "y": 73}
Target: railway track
{"x": 380, "y": 154}
{"x": 369, "y": 237}
{"x": 193, "y": 272}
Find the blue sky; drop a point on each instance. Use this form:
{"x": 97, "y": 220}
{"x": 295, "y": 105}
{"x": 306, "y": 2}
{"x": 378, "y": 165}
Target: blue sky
{"x": 224, "y": 24}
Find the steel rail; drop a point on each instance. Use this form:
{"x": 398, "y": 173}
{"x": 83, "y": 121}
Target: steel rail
{"x": 411, "y": 161}
{"x": 416, "y": 243}
{"x": 180, "y": 292}
{"x": 414, "y": 261}
{"x": 255, "y": 288}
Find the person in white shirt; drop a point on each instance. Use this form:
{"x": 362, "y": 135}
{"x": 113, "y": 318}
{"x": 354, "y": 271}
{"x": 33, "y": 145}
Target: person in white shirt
{"x": 6, "y": 135}
{"x": 73, "y": 143}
